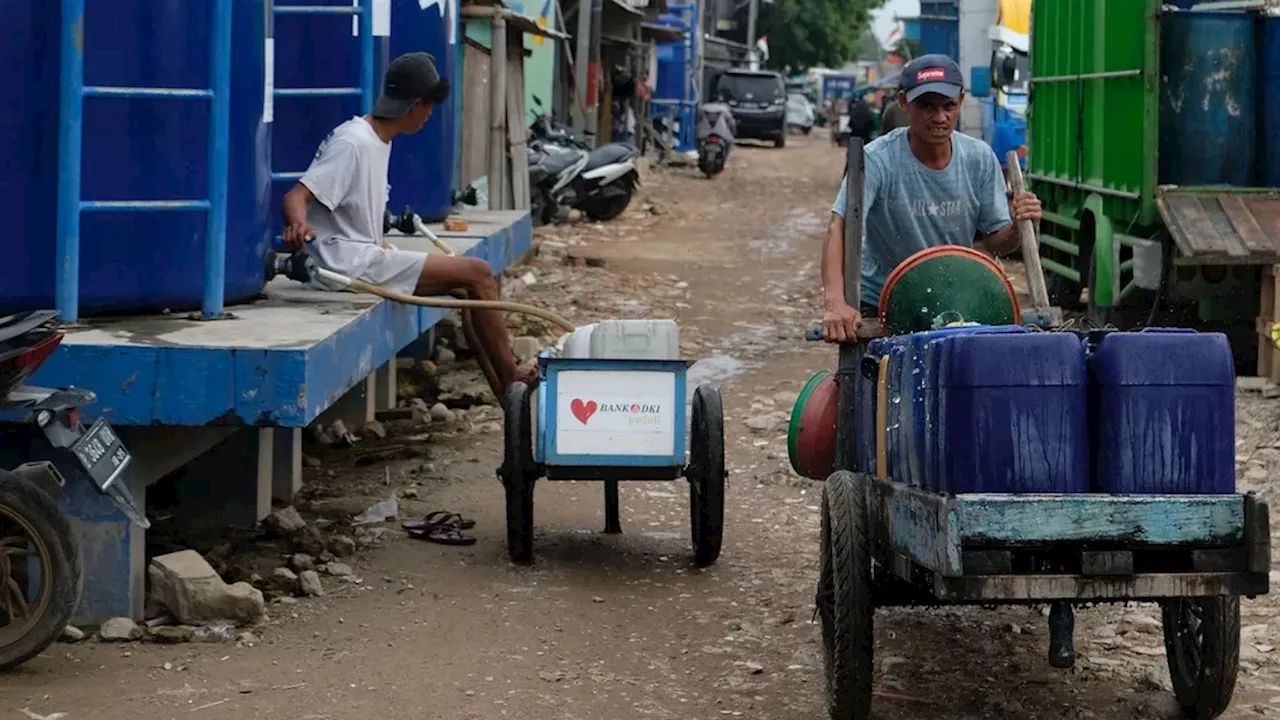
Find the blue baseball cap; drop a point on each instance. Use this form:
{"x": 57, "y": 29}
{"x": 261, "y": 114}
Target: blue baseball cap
{"x": 932, "y": 74}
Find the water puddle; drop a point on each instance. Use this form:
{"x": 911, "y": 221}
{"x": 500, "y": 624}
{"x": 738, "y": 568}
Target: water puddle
{"x": 714, "y": 369}
{"x": 795, "y": 224}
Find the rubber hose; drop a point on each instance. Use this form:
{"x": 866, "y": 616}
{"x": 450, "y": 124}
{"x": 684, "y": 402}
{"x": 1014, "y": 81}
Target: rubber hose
{"x": 455, "y": 303}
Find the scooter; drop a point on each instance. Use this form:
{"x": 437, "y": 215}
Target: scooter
{"x": 569, "y": 175}
{"x": 716, "y": 128}
{"x": 41, "y": 576}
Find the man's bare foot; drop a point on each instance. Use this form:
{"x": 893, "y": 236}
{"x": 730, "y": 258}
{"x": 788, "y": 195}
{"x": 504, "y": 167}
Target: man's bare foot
{"x": 527, "y": 375}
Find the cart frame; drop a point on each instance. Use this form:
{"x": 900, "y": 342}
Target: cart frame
{"x": 889, "y": 544}
{"x": 534, "y": 447}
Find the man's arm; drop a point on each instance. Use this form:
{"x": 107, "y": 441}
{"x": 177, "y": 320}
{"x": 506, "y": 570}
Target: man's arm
{"x": 996, "y": 232}
{"x": 840, "y": 320}
{"x": 297, "y": 232}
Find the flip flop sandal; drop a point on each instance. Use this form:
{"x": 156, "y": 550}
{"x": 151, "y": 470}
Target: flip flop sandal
{"x": 442, "y": 535}
{"x": 439, "y": 517}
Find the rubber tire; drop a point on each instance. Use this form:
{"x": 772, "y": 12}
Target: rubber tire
{"x": 844, "y": 597}
{"x": 518, "y": 473}
{"x": 706, "y": 474}
{"x": 1205, "y": 694}
{"x": 806, "y": 130}
{"x": 781, "y": 140}
{"x": 66, "y": 573}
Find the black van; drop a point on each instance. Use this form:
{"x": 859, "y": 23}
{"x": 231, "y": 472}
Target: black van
{"x": 758, "y": 100}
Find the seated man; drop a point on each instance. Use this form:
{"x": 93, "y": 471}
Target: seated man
{"x": 924, "y": 185}
{"x": 340, "y": 201}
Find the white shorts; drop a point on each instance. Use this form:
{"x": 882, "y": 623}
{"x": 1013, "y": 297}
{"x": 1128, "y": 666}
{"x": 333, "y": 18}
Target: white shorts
{"x": 398, "y": 270}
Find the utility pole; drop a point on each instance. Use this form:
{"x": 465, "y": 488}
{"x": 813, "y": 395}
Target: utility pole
{"x": 752, "y": 57}
{"x": 580, "y": 66}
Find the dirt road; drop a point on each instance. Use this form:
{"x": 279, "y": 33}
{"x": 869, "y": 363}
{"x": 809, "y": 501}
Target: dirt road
{"x": 622, "y": 627}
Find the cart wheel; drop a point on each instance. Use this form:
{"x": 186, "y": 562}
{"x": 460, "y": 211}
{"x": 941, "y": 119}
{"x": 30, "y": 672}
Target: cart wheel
{"x": 1202, "y": 644}
{"x": 844, "y": 597}
{"x": 706, "y": 475}
{"x": 518, "y": 473}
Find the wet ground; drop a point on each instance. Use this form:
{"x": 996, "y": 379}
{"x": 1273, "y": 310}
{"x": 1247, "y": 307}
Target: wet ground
{"x": 605, "y": 627}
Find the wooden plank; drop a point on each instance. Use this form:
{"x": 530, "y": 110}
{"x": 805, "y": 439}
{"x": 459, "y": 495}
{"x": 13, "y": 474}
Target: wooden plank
{"x": 1149, "y": 586}
{"x": 1257, "y": 529}
{"x": 1254, "y": 240}
{"x": 475, "y": 108}
{"x": 1219, "y": 560}
{"x": 1010, "y": 520}
{"x": 1189, "y": 225}
{"x": 1106, "y": 562}
{"x": 987, "y": 562}
{"x": 1268, "y": 316}
{"x": 516, "y": 134}
{"x": 1224, "y": 226}
{"x": 918, "y": 526}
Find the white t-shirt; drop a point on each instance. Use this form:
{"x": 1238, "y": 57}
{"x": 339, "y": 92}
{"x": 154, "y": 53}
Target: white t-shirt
{"x": 348, "y": 178}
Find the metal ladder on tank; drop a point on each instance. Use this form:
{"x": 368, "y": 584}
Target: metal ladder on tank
{"x": 363, "y": 10}
{"x": 70, "y": 145}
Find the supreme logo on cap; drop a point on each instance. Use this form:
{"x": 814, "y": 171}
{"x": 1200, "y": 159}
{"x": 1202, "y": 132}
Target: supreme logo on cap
{"x": 931, "y": 75}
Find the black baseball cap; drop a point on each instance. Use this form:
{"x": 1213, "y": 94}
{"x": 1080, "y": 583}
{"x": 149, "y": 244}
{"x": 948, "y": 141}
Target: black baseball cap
{"x": 932, "y": 74}
{"x": 410, "y": 78}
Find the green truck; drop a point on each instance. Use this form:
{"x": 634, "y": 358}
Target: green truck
{"x": 1146, "y": 128}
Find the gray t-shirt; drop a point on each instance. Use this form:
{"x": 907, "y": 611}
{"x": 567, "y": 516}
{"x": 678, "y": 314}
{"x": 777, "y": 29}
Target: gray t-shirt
{"x": 348, "y": 177}
{"x": 908, "y": 207}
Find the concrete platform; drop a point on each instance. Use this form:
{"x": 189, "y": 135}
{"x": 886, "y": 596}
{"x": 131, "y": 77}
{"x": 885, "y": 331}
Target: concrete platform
{"x": 237, "y": 393}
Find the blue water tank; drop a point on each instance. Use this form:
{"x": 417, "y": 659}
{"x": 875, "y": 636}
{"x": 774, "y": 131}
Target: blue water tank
{"x": 671, "y": 82}
{"x": 1164, "y": 412}
{"x": 134, "y": 149}
{"x": 1208, "y": 99}
{"x": 313, "y": 51}
{"x": 1012, "y": 414}
{"x": 1269, "y": 82}
{"x": 422, "y": 165}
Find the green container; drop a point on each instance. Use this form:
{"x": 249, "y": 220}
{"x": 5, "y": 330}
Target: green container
{"x": 947, "y": 284}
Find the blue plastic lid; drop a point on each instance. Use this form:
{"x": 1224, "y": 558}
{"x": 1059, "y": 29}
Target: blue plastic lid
{"x": 1011, "y": 360}
{"x": 1159, "y": 356}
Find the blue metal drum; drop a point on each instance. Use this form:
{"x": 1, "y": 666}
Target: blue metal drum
{"x": 422, "y": 165}
{"x": 133, "y": 149}
{"x": 1269, "y": 83}
{"x": 1208, "y": 99}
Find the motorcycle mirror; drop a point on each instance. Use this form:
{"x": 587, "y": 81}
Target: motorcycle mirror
{"x": 537, "y": 101}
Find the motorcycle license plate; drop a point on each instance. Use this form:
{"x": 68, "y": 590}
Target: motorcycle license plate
{"x": 101, "y": 454}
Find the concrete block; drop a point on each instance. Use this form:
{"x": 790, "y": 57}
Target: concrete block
{"x": 189, "y": 588}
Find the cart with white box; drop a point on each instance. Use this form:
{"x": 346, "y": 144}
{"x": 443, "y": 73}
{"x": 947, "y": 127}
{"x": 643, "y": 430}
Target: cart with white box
{"x": 614, "y": 406}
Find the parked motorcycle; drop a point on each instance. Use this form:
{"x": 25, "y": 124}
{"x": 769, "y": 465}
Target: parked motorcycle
{"x": 566, "y": 174}
{"x": 41, "y": 574}
{"x": 715, "y": 131}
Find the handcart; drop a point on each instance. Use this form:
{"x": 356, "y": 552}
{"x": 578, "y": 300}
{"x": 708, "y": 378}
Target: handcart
{"x": 886, "y": 543}
{"x": 614, "y": 420}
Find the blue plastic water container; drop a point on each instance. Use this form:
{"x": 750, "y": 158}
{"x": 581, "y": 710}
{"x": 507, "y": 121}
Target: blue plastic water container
{"x": 912, "y": 380}
{"x": 899, "y": 398}
{"x": 1164, "y": 405}
{"x": 1012, "y": 413}
{"x": 133, "y": 149}
{"x": 865, "y": 410}
{"x": 422, "y": 165}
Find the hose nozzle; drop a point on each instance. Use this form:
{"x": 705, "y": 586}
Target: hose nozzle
{"x": 298, "y": 266}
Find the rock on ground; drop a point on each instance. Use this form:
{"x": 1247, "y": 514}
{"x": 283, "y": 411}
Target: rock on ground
{"x": 119, "y": 629}
{"x": 189, "y": 588}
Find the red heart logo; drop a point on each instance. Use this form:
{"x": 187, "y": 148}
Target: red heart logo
{"x": 583, "y": 410}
